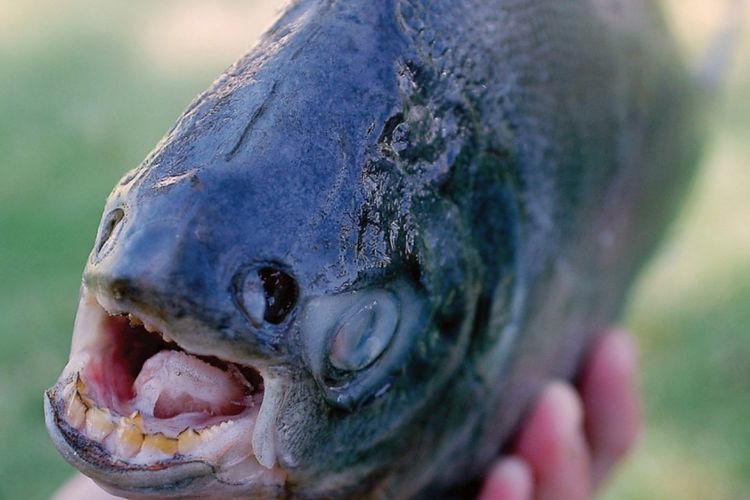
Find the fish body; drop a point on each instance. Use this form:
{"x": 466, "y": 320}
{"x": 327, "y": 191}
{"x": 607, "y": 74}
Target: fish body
{"x": 355, "y": 259}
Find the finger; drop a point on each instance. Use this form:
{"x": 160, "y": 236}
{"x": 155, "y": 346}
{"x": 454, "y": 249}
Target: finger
{"x": 553, "y": 444}
{"x": 610, "y": 400}
{"x": 510, "y": 479}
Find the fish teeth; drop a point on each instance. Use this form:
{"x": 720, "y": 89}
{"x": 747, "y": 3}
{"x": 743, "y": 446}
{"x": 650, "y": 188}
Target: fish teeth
{"x": 77, "y": 405}
{"x": 69, "y": 391}
{"x": 134, "y": 320}
{"x": 208, "y": 433}
{"x": 129, "y": 439}
{"x": 159, "y": 444}
{"x": 188, "y": 440}
{"x": 125, "y": 437}
{"x": 75, "y": 414}
{"x": 136, "y": 419}
{"x": 150, "y": 327}
{"x": 99, "y": 424}
{"x": 222, "y": 426}
{"x": 82, "y": 392}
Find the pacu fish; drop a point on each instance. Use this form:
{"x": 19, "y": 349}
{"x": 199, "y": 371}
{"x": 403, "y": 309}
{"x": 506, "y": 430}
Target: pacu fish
{"x": 351, "y": 264}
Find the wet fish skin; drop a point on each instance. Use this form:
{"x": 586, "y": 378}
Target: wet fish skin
{"x": 514, "y": 161}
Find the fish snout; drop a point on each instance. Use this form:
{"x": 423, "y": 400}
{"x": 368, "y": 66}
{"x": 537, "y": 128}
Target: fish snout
{"x": 164, "y": 269}
{"x": 154, "y": 264}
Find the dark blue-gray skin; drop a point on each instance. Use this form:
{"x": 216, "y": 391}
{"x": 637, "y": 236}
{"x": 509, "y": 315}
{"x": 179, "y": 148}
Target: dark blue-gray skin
{"x": 350, "y": 266}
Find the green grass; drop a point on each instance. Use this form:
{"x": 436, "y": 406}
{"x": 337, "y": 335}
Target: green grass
{"x": 697, "y": 393}
{"x": 80, "y": 104}
{"x": 75, "y": 113}
{"x": 692, "y": 314}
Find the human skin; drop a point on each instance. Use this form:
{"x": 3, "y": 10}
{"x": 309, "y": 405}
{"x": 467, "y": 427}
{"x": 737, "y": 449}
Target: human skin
{"x": 574, "y": 436}
{"x": 571, "y": 440}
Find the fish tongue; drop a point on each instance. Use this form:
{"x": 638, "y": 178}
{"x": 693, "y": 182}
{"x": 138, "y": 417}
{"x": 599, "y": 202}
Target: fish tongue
{"x": 173, "y": 382}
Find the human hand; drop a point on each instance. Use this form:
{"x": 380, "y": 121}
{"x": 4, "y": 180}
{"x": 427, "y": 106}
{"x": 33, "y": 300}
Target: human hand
{"x": 573, "y": 437}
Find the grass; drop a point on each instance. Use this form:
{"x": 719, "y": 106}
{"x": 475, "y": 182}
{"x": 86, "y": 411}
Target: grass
{"x": 81, "y": 101}
{"x": 72, "y": 120}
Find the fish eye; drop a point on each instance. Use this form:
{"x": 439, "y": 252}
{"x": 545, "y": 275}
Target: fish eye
{"x": 268, "y": 295}
{"x": 363, "y": 335}
{"x": 280, "y": 292}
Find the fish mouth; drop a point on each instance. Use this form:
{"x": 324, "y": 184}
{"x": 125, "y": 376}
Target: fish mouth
{"x": 143, "y": 416}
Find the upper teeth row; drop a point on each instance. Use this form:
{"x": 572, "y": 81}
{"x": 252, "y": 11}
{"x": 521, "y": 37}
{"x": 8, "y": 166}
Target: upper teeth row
{"x": 125, "y": 437}
{"x": 150, "y": 327}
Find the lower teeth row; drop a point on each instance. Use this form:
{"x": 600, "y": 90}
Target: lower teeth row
{"x": 125, "y": 437}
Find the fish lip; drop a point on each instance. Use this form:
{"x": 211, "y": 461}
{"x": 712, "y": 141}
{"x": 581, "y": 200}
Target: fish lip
{"x": 177, "y": 476}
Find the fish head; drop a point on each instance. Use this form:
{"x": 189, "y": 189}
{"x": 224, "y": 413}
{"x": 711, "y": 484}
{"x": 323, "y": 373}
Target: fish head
{"x": 276, "y": 297}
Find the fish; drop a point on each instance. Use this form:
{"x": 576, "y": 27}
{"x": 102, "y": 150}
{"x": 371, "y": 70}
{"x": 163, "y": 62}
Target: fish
{"x": 350, "y": 266}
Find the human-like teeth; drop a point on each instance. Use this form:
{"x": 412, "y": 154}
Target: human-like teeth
{"x": 136, "y": 419}
{"x": 128, "y": 439}
{"x": 187, "y": 441}
{"x": 99, "y": 423}
{"x": 75, "y": 414}
{"x": 68, "y": 391}
{"x": 159, "y": 444}
{"x": 81, "y": 391}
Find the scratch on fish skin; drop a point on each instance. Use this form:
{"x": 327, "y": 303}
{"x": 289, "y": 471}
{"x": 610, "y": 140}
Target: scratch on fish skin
{"x": 174, "y": 179}
{"x": 253, "y": 120}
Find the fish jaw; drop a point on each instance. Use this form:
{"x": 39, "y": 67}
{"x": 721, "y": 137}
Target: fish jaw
{"x": 162, "y": 433}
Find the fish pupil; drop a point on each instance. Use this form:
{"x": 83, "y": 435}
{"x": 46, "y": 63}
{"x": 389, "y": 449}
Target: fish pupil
{"x": 281, "y": 294}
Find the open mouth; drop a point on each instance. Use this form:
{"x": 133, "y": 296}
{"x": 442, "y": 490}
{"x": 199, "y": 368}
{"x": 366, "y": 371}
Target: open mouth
{"x": 134, "y": 397}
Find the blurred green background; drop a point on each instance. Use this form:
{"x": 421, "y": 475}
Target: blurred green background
{"x": 88, "y": 87}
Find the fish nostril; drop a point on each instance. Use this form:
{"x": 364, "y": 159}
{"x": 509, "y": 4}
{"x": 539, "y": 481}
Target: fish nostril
{"x": 108, "y": 227}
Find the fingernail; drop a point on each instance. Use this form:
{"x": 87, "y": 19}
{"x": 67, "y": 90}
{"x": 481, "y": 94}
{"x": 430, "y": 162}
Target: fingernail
{"x": 567, "y": 407}
{"x": 510, "y": 479}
